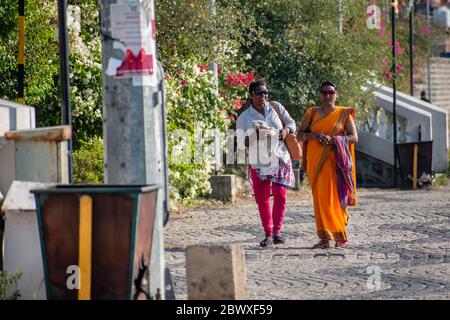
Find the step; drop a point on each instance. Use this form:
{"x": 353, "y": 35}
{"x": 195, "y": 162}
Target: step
{"x": 439, "y": 60}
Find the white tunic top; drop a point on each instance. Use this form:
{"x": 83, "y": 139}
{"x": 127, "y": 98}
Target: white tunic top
{"x": 246, "y": 122}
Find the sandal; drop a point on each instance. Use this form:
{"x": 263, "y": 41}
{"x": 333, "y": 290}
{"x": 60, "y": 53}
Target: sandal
{"x": 278, "y": 240}
{"x": 341, "y": 244}
{"x": 264, "y": 243}
{"x": 322, "y": 244}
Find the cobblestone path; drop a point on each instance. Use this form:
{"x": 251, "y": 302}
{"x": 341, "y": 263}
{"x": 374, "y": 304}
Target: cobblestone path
{"x": 399, "y": 237}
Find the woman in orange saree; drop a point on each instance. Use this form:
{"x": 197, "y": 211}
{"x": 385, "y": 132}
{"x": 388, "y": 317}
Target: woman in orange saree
{"x": 324, "y": 129}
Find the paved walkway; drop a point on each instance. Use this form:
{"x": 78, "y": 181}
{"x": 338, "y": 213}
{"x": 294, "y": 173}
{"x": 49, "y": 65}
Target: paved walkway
{"x": 399, "y": 248}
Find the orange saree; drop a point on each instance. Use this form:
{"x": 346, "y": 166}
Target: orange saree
{"x": 331, "y": 219}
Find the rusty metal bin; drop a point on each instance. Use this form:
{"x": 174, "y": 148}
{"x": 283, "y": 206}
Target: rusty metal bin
{"x": 424, "y": 162}
{"x": 96, "y": 240}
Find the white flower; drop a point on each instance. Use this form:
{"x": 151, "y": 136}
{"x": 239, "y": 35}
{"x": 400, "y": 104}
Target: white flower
{"x": 196, "y": 71}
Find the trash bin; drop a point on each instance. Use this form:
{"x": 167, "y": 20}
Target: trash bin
{"x": 424, "y": 173}
{"x": 96, "y": 240}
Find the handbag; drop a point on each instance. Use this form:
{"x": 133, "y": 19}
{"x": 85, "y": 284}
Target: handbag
{"x": 305, "y": 143}
{"x": 291, "y": 142}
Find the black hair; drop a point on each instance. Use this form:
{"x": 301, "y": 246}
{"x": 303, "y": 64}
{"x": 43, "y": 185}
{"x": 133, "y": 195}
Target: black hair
{"x": 328, "y": 83}
{"x": 255, "y": 84}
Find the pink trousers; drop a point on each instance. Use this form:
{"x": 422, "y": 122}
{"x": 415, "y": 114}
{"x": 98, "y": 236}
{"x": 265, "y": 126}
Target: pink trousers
{"x": 271, "y": 220}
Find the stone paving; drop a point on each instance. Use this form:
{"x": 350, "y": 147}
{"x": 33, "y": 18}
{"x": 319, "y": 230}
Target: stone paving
{"x": 399, "y": 247}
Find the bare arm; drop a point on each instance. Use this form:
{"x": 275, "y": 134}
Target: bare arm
{"x": 352, "y": 134}
{"x": 302, "y": 135}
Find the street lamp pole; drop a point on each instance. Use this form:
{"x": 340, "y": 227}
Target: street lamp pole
{"x": 428, "y": 58}
{"x": 394, "y": 95}
{"x": 411, "y": 53}
{"x": 21, "y": 51}
{"x": 64, "y": 75}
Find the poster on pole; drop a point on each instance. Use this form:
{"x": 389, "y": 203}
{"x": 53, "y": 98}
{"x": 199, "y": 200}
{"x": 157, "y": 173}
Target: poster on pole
{"x": 133, "y": 31}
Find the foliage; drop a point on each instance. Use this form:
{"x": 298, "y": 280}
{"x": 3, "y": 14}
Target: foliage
{"x": 42, "y": 62}
{"x": 234, "y": 86}
{"x": 193, "y": 107}
{"x": 192, "y": 30}
{"x": 424, "y": 38}
{"x": 85, "y": 69}
{"x": 301, "y": 46}
{"x": 8, "y": 286}
{"x": 190, "y": 36}
{"x": 88, "y": 162}
{"x": 295, "y": 45}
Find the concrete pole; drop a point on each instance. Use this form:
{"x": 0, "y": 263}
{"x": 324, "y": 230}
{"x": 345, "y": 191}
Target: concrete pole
{"x": 135, "y": 148}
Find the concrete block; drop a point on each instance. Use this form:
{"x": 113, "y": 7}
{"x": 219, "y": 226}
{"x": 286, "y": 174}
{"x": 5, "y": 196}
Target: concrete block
{"x": 22, "y": 246}
{"x": 215, "y": 272}
{"x": 224, "y": 187}
{"x": 34, "y": 155}
{"x": 15, "y": 116}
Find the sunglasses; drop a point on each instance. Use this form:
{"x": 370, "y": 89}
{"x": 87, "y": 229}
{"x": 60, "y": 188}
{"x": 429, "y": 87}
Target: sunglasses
{"x": 261, "y": 92}
{"x": 331, "y": 92}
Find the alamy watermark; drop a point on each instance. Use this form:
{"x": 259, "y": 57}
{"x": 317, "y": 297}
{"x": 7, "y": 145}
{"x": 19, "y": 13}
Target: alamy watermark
{"x": 230, "y": 147}
{"x": 374, "y": 282}
{"x": 73, "y": 280}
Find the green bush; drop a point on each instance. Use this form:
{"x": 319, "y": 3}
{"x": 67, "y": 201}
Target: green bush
{"x": 88, "y": 162}
{"x": 193, "y": 106}
{"x": 7, "y": 283}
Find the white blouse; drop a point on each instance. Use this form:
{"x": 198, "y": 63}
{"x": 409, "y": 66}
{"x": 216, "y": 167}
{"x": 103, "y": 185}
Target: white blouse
{"x": 245, "y": 124}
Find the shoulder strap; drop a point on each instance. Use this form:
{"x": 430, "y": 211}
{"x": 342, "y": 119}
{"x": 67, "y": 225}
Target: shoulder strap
{"x": 313, "y": 113}
{"x": 272, "y": 103}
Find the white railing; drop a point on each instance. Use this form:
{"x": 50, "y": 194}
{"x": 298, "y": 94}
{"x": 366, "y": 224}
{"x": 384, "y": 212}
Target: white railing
{"x": 416, "y": 121}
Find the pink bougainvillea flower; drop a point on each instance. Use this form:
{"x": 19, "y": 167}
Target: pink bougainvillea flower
{"x": 250, "y": 78}
{"x": 239, "y": 79}
{"x": 381, "y": 32}
{"x": 426, "y": 31}
{"x": 231, "y": 117}
{"x": 237, "y": 104}
{"x": 398, "y": 68}
{"x": 203, "y": 68}
{"x": 388, "y": 75}
{"x": 399, "y": 50}
{"x": 183, "y": 82}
